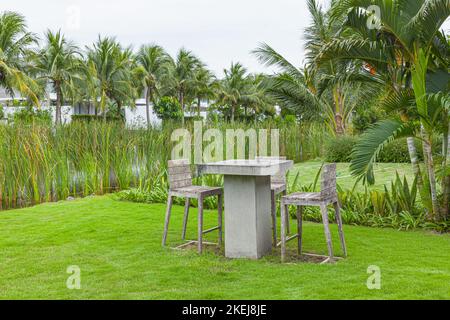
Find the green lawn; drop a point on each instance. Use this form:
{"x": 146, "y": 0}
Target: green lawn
{"x": 384, "y": 173}
{"x": 117, "y": 247}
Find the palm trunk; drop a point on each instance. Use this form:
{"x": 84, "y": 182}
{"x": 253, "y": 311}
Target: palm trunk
{"x": 58, "y": 118}
{"x": 339, "y": 124}
{"x": 181, "y": 99}
{"x": 147, "y": 105}
{"x": 232, "y": 113}
{"x": 446, "y": 178}
{"x": 423, "y": 190}
{"x": 428, "y": 155}
{"x": 414, "y": 161}
{"x": 198, "y": 104}
{"x": 119, "y": 110}
{"x": 339, "y": 121}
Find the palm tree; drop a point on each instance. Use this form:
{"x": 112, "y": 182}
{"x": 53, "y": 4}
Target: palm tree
{"x": 317, "y": 90}
{"x": 113, "y": 68}
{"x": 233, "y": 88}
{"x": 153, "y": 61}
{"x": 293, "y": 87}
{"x": 257, "y": 97}
{"x": 14, "y": 51}
{"x": 57, "y": 64}
{"x": 402, "y": 49}
{"x": 204, "y": 86}
{"x": 182, "y": 71}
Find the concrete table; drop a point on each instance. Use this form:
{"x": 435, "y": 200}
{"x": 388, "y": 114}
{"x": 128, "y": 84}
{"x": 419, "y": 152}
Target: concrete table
{"x": 248, "y": 224}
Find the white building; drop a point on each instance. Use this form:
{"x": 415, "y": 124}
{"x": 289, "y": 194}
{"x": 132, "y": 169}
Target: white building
{"x": 136, "y": 116}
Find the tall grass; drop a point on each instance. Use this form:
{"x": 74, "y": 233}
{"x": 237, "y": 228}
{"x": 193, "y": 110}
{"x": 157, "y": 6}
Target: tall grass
{"x": 39, "y": 163}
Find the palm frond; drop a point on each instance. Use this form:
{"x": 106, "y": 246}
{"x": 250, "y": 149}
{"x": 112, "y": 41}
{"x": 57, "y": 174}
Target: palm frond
{"x": 372, "y": 142}
{"x": 269, "y": 57}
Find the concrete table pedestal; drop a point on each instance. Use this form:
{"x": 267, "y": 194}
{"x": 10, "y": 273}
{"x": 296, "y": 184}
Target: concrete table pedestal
{"x": 248, "y": 222}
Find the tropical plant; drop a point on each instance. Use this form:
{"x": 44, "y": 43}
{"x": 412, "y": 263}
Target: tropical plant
{"x": 15, "y": 43}
{"x": 319, "y": 90}
{"x": 115, "y": 74}
{"x": 257, "y": 97}
{"x": 57, "y": 64}
{"x": 153, "y": 62}
{"x": 182, "y": 73}
{"x": 234, "y": 89}
{"x": 204, "y": 86}
{"x": 404, "y": 50}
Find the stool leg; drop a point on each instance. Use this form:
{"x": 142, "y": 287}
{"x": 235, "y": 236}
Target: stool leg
{"x": 326, "y": 226}
{"x": 341, "y": 231}
{"x": 288, "y": 228}
{"x": 283, "y": 230}
{"x": 200, "y": 225}
{"x": 166, "y": 222}
{"x": 185, "y": 218}
{"x": 299, "y": 228}
{"x": 274, "y": 219}
{"x": 220, "y": 213}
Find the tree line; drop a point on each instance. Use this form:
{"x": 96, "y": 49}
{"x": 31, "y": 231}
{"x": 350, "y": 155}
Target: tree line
{"x": 111, "y": 76}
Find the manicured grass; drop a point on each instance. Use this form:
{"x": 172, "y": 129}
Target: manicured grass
{"x": 117, "y": 246}
{"x": 384, "y": 173}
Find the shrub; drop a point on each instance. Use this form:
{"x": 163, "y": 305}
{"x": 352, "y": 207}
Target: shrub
{"x": 2, "y": 113}
{"x": 168, "y": 108}
{"x": 396, "y": 207}
{"x": 339, "y": 149}
{"x": 397, "y": 151}
{"x": 93, "y": 117}
{"x": 30, "y": 115}
{"x": 364, "y": 118}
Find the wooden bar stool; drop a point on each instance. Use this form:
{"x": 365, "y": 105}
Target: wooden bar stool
{"x": 326, "y": 196}
{"x": 180, "y": 185}
{"x": 277, "y": 186}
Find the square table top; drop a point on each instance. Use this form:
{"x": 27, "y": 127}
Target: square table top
{"x": 260, "y": 167}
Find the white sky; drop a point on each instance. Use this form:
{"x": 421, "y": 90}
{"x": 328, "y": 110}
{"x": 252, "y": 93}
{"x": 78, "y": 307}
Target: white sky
{"x": 218, "y": 31}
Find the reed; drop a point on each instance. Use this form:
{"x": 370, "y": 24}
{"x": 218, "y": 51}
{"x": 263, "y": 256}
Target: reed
{"x": 40, "y": 163}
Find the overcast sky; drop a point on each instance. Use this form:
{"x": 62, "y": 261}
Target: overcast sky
{"x": 218, "y": 31}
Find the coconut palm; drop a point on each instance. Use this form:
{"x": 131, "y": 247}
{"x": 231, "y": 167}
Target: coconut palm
{"x": 113, "y": 68}
{"x": 293, "y": 87}
{"x": 182, "y": 71}
{"x": 57, "y": 64}
{"x": 15, "y": 42}
{"x": 234, "y": 87}
{"x": 153, "y": 61}
{"x": 204, "y": 86}
{"x": 317, "y": 90}
{"x": 402, "y": 47}
{"x": 257, "y": 97}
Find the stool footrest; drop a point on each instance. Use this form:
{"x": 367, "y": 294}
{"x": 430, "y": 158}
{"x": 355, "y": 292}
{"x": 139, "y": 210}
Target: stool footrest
{"x": 288, "y": 239}
{"x": 211, "y": 230}
{"x": 189, "y": 242}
